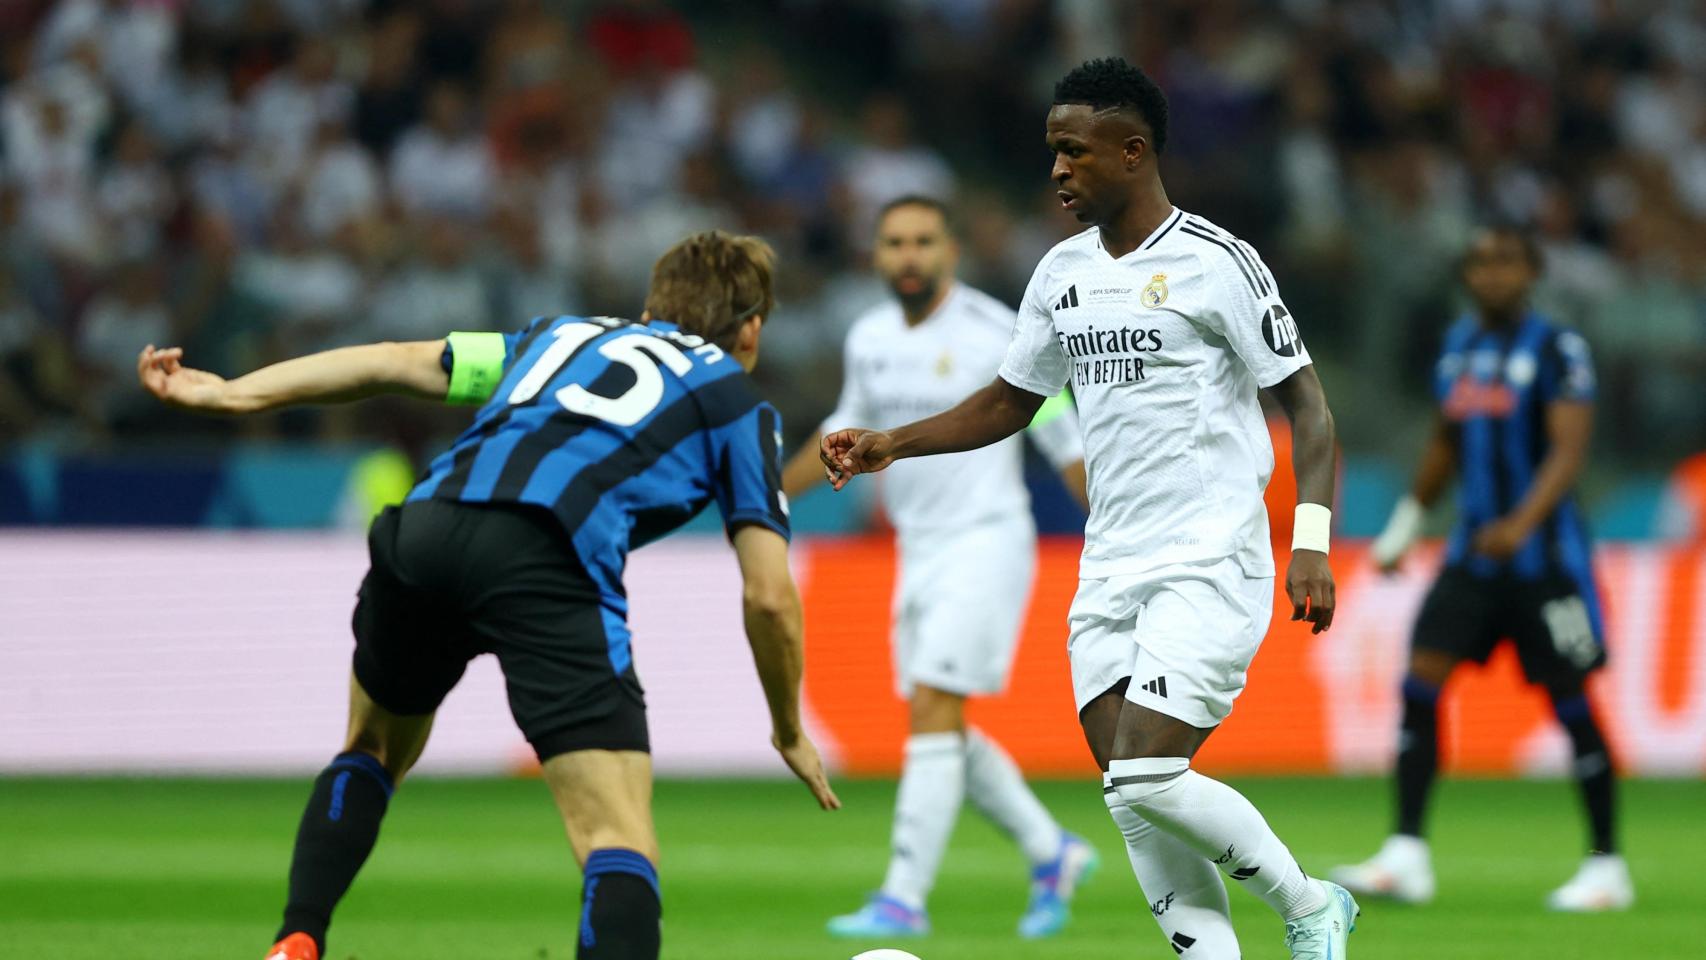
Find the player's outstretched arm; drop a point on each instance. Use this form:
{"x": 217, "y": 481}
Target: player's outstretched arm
{"x": 992, "y": 414}
{"x": 775, "y": 629}
{"x": 336, "y": 376}
{"x": 1314, "y": 454}
{"x": 1433, "y": 475}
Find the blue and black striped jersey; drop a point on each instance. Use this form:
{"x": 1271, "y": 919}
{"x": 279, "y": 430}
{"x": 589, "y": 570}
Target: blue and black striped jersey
{"x": 1495, "y": 386}
{"x": 624, "y": 431}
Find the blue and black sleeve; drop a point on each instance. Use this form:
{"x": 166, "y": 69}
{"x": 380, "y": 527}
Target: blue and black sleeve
{"x": 749, "y": 472}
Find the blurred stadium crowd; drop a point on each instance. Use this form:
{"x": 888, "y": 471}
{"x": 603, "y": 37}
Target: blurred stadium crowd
{"x": 259, "y": 178}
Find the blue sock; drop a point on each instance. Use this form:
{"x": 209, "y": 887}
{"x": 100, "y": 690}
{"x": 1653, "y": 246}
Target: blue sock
{"x": 620, "y": 907}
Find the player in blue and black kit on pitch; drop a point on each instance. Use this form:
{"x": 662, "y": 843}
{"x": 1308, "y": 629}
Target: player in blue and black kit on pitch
{"x": 594, "y": 436}
{"x": 1516, "y": 395}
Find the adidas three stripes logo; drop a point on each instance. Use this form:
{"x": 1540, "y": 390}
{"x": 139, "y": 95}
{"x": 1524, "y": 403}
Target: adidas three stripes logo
{"x": 1158, "y": 686}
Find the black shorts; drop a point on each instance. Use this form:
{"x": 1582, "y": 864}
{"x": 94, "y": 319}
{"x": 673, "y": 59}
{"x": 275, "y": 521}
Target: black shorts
{"x": 451, "y": 581}
{"x": 1550, "y": 621}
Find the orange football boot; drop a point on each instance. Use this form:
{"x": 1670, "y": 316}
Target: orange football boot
{"x": 297, "y": 946}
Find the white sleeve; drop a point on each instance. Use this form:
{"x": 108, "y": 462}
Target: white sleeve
{"x": 852, "y": 408}
{"x": 1035, "y": 362}
{"x": 1244, "y": 307}
{"x": 1056, "y": 433}
{"x": 1675, "y": 521}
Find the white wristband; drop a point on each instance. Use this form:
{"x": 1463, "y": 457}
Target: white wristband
{"x": 1310, "y": 527}
{"x": 1401, "y": 531}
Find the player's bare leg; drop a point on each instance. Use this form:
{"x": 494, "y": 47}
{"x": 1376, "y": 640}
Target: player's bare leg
{"x": 605, "y": 797}
{"x": 1403, "y": 868}
{"x": 396, "y": 741}
{"x": 935, "y": 711}
{"x": 341, "y": 822}
{"x": 1150, "y": 773}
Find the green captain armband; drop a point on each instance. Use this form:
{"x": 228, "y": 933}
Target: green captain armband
{"x": 476, "y": 366}
{"x": 1052, "y": 409}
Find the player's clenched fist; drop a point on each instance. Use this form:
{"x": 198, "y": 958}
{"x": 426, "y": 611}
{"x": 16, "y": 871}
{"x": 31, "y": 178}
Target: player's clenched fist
{"x": 848, "y": 453}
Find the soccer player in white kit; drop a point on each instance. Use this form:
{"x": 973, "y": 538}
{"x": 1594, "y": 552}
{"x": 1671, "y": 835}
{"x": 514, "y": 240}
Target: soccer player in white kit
{"x": 1166, "y": 326}
{"x": 967, "y": 556}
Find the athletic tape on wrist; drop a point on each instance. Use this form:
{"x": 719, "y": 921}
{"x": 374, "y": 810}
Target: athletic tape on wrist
{"x": 1311, "y": 527}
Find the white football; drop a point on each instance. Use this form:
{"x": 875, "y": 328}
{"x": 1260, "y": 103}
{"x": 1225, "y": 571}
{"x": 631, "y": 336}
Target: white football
{"x": 886, "y": 953}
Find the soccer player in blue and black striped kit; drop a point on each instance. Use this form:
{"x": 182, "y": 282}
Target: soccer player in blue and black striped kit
{"x": 1516, "y": 395}
{"x": 594, "y": 436}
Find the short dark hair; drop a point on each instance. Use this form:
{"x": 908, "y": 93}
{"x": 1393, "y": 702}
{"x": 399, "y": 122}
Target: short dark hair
{"x": 1110, "y": 83}
{"x": 918, "y": 200}
{"x": 1524, "y": 238}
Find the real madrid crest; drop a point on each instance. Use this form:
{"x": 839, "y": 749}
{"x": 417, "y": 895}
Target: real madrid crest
{"x": 944, "y": 364}
{"x": 1155, "y": 292}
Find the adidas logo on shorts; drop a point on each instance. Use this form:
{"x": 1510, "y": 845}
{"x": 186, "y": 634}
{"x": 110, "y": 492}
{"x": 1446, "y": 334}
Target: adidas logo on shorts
{"x": 1158, "y": 686}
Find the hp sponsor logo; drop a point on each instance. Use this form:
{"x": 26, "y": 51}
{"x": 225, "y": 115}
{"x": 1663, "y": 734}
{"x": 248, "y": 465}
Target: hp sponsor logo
{"x": 1281, "y": 331}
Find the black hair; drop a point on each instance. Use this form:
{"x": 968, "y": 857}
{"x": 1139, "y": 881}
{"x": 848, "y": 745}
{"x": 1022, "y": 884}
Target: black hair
{"x": 1110, "y": 83}
{"x": 1524, "y": 238}
{"x": 918, "y": 200}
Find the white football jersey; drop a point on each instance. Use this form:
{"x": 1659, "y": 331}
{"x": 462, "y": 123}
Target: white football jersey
{"x": 896, "y": 374}
{"x": 1165, "y": 348}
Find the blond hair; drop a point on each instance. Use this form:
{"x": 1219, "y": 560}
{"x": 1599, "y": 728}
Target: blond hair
{"x": 711, "y": 283}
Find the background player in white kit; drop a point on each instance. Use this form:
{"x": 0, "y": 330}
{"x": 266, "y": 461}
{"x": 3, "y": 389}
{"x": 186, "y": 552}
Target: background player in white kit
{"x": 1165, "y": 326}
{"x": 967, "y": 555}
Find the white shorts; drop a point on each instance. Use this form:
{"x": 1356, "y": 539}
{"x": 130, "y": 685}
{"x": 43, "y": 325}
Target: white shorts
{"x": 1184, "y": 635}
{"x": 959, "y": 605}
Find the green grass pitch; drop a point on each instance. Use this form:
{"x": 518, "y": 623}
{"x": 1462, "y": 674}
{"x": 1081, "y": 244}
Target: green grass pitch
{"x": 194, "y": 870}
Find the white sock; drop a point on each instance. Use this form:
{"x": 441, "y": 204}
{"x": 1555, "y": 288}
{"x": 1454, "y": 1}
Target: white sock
{"x": 999, "y": 791}
{"x": 1185, "y": 893}
{"x": 1217, "y": 822}
{"x": 932, "y": 786}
